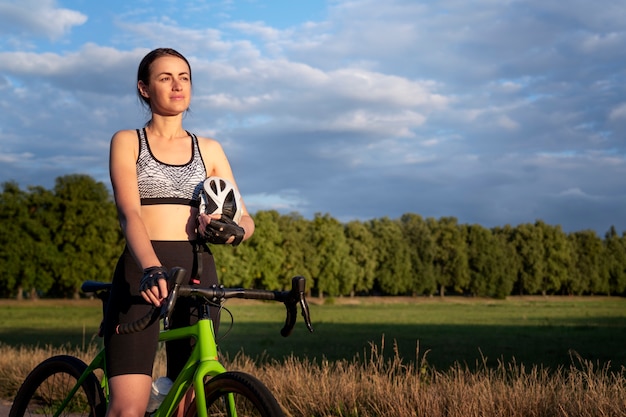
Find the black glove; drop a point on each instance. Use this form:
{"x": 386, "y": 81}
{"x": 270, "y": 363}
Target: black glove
{"x": 218, "y": 231}
{"x": 151, "y": 276}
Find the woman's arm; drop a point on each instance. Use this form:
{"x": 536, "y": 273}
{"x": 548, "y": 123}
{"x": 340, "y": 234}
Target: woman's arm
{"x": 123, "y": 156}
{"x": 217, "y": 164}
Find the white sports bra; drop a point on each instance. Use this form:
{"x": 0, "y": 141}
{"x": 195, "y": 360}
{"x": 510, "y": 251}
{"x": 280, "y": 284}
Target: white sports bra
{"x": 161, "y": 183}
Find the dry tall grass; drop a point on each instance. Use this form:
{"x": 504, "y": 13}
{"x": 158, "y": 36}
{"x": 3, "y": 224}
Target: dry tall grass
{"x": 379, "y": 386}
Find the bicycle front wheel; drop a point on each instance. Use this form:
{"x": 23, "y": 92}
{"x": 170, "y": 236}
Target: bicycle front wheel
{"x": 48, "y": 385}
{"x": 236, "y": 394}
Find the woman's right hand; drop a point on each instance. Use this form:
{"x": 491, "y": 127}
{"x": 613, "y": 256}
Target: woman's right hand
{"x": 153, "y": 286}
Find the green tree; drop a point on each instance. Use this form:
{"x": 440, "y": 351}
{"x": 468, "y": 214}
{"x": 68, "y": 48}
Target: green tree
{"x": 394, "y": 274}
{"x": 528, "y": 242}
{"x": 615, "y": 261}
{"x": 266, "y": 250}
{"x": 234, "y": 264}
{"x": 585, "y": 273}
{"x": 14, "y": 242}
{"x": 450, "y": 259}
{"x": 297, "y": 244}
{"x": 26, "y": 250}
{"x": 422, "y": 253}
{"x": 333, "y": 268}
{"x": 557, "y": 257}
{"x": 85, "y": 233}
{"x": 362, "y": 244}
{"x": 482, "y": 258}
{"x": 507, "y": 262}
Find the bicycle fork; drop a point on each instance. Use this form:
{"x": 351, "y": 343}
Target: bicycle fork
{"x": 203, "y": 362}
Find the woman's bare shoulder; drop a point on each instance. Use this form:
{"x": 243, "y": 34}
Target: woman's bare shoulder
{"x": 214, "y": 157}
{"x": 209, "y": 144}
{"x": 125, "y": 140}
{"x": 207, "y": 140}
{"x": 124, "y": 135}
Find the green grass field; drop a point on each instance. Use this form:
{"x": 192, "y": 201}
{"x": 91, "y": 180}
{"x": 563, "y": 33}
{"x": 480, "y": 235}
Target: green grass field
{"x": 529, "y": 331}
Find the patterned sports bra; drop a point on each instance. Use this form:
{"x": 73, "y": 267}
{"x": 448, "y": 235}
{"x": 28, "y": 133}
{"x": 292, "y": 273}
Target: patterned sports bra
{"x": 161, "y": 183}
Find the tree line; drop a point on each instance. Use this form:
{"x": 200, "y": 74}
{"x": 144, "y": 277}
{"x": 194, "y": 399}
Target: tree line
{"x": 51, "y": 240}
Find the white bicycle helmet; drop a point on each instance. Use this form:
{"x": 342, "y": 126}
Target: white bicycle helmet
{"x": 219, "y": 196}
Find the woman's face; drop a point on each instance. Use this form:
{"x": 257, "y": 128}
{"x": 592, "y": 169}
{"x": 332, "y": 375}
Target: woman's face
{"x": 169, "y": 90}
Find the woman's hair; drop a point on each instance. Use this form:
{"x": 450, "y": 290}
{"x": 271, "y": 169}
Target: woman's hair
{"x": 143, "y": 72}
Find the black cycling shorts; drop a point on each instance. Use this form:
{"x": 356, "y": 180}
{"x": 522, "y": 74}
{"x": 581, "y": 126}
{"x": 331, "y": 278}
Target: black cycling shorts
{"x": 135, "y": 353}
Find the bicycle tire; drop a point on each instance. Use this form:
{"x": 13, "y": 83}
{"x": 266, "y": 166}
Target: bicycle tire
{"x": 50, "y": 382}
{"x": 252, "y": 398}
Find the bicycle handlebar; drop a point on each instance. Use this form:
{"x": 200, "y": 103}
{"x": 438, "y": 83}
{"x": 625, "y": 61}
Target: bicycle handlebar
{"x": 218, "y": 293}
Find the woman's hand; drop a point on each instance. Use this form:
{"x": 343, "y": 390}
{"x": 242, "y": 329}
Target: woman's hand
{"x": 220, "y": 230}
{"x": 153, "y": 286}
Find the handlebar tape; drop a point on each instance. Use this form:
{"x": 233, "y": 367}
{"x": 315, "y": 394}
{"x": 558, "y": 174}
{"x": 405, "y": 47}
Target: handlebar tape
{"x": 290, "y": 321}
{"x": 142, "y": 323}
{"x": 176, "y": 277}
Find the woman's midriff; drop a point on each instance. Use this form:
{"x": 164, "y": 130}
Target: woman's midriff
{"x": 170, "y": 221}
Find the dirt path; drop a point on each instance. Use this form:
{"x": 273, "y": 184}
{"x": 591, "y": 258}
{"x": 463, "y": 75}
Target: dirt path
{"x": 5, "y": 406}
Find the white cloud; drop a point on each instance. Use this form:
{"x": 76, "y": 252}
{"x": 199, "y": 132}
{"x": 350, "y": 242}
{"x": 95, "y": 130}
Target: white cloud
{"x": 395, "y": 124}
{"x": 371, "y": 87}
{"x": 92, "y": 68}
{"x": 236, "y": 103}
{"x": 33, "y": 18}
{"x": 618, "y": 112}
{"x": 575, "y": 192}
{"x": 507, "y": 123}
{"x": 595, "y": 42}
{"x": 282, "y": 200}
{"x": 260, "y": 29}
{"x": 9, "y": 158}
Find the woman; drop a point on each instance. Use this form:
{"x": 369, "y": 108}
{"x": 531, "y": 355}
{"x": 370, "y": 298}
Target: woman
{"x": 157, "y": 175}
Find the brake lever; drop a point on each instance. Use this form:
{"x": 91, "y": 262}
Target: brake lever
{"x": 294, "y": 297}
{"x": 304, "y": 306}
{"x": 177, "y": 275}
{"x": 305, "y": 313}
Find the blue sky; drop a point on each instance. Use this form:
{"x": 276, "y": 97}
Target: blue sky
{"x": 494, "y": 112}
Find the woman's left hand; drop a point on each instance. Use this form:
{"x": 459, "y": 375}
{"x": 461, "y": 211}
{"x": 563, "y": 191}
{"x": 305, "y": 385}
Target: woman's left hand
{"x": 220, "y": 230}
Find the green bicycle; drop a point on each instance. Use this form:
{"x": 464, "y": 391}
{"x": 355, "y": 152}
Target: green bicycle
{"x": 66, "y": 386}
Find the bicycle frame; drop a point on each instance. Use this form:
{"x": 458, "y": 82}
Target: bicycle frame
{"x": 203, "y": 362}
